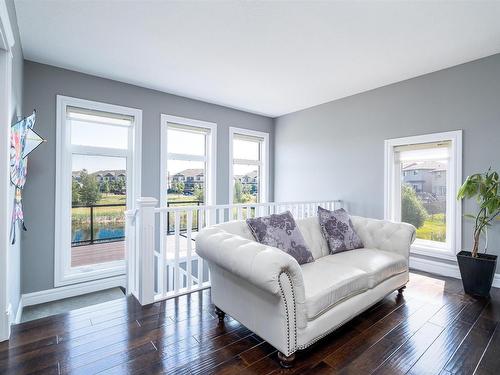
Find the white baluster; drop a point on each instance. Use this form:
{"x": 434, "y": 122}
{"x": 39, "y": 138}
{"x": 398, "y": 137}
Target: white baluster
{"x": 200, "y": 261}
{"x": 188, "y": 250}
{"x": 162, "y": 260}
{"x": 177, "y": 274}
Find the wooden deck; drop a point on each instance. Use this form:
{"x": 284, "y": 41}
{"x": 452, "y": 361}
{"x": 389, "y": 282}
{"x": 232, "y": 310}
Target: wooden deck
{"x": 97, "y": 253}
{"x": 110, "y": 251}
{"x": 433, "y": 329}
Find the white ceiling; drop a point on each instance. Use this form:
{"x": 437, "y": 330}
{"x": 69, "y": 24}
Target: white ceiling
{"x": 270, "y": 58}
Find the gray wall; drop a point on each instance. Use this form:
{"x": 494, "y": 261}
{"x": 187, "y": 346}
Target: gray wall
{"x": 16, "y": 111}
{"x": 336, "y": 150}
{"x": 41, "y": 85}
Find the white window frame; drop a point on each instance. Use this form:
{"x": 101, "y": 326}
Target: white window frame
{"x": 392, "y": 193}
{"x": 263, "y": 163}
{"x": 210, "y": 157}
{"x": 7, "y": 42}
{"x": 64, "y": 274}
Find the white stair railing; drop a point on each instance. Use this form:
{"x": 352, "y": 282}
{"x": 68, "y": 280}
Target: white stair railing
{"x": 160, "y": 242}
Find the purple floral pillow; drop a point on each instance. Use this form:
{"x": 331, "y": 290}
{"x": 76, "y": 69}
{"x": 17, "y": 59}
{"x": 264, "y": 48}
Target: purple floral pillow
{"x": 338, "y": 230}
{"x": 281, "y": 231}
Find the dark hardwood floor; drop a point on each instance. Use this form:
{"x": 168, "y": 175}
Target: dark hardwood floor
{"x": 433, "y": 329}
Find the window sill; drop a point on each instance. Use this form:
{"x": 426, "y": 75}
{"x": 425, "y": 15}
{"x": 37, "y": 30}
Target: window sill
{"x": 83, "y": 274}
{"x": 433, "y": 252}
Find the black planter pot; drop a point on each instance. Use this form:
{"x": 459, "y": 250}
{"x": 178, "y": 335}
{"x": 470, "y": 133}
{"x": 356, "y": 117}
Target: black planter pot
{"x": 477, "y": 273}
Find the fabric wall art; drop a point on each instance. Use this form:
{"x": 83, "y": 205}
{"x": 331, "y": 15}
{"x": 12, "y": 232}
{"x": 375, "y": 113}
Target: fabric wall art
{"x": 23, "y": 140}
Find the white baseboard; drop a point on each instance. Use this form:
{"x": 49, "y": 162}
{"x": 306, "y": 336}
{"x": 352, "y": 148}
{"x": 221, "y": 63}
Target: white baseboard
{"x": 67, "y": 291}
{"x": 5, "y": 322}
{"x": 443, "y": 269}
{"x": 19, "y": 313}
{"x": 496, "y": 280}
{"x": 10, "y": 316}
{"x": 4, "y": 326}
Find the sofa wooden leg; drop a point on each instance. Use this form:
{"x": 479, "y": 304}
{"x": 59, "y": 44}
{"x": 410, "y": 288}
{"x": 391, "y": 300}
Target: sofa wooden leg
{"x": 220, "y": 314}
{"x": 400, "y": 290}
{"x": 286, "y": 361}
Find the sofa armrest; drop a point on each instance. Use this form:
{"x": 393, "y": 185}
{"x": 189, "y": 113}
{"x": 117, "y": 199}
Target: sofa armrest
{"x": 385, "y": 235}
{"x": 258, "y": 264}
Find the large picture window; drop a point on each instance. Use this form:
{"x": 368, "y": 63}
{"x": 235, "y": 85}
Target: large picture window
{"x": 188, "y": 161}
{"x": 249, "y": 166}
{"x": 98, "y": 164}
{"x": 423, "y": 174}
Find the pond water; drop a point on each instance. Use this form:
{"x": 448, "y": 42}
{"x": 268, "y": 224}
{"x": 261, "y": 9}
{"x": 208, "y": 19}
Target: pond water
{"x": 81, "y": 231}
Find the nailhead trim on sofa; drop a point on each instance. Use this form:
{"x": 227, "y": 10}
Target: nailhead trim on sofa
{"x": 289, "y": 352}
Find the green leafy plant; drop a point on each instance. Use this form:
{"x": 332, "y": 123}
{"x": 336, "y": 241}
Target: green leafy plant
{"x": 412, "y": 209}
{"x": 89, "y": 190}
{"x": 485, "y": 188}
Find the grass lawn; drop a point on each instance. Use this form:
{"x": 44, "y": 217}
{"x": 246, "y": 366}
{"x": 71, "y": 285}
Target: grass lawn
{"x": 175, "y": 198}
{"x": 434, "y": 228}
{"x": 112, "y": 199}
{"x": 115, "y": 214}
{"x": 82, "y": 214}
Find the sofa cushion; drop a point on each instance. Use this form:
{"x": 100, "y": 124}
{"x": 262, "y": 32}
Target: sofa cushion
{"x": 238, "y": 228}
{"x": 311, "y": 231}
{"x": 281, "y": 231}
{"x": 379, "y": 265}
{"x": 338, "y": 230}
{"x": 328, "y": 283}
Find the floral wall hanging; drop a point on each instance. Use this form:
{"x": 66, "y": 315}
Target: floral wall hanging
{"x": 23, "y": 140}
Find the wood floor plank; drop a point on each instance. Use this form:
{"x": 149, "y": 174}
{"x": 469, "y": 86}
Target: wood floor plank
{"x": 468, "y": 354}
{"x": 490, "y": 361}
{"x": 198, "y": 362}
{"x": 74, "y": 347}
{"x": 356, "y": 346}
{"x": 433, "y": 329}
{"x": 392, "y": 341}
{"x": 442, "y": 349}
{"x": 403, "y": 359}
{"x": 112, "y": 360}
{"x": 240, "y": 363}
{"x": 406, "y": 355}
{"x": 321, "y": 368}
{"x": 179, "y": 353}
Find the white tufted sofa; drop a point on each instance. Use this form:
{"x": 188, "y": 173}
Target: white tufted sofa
{"x": 293, "y": 306}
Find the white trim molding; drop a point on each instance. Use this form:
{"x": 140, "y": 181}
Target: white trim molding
{"x": 56, "y": 294}
{"x": 64, "y": 274}
{"x": 263, "y": 162}
{"x": 210, "y": 157}
{"x": 7, "y": 39}
{"x": 6, "y": 43}
{"x": 19, "y": 312}
{"x": 441, "y": 268}
{"x": 392, "y": 192}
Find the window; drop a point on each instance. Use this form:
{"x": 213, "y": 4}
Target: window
{"x": 249, "y": 166}
{"x": 188, "y": 161}
{"x": 423, "y": 174}
{"x": 97, "y": 179}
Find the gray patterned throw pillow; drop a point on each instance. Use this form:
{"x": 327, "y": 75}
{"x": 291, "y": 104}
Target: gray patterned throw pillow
{"x": 281, "y": 231}
{"x": 338, "y": 230}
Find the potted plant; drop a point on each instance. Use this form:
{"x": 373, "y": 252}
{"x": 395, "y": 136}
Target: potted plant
{"x": 477, "y": 270}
